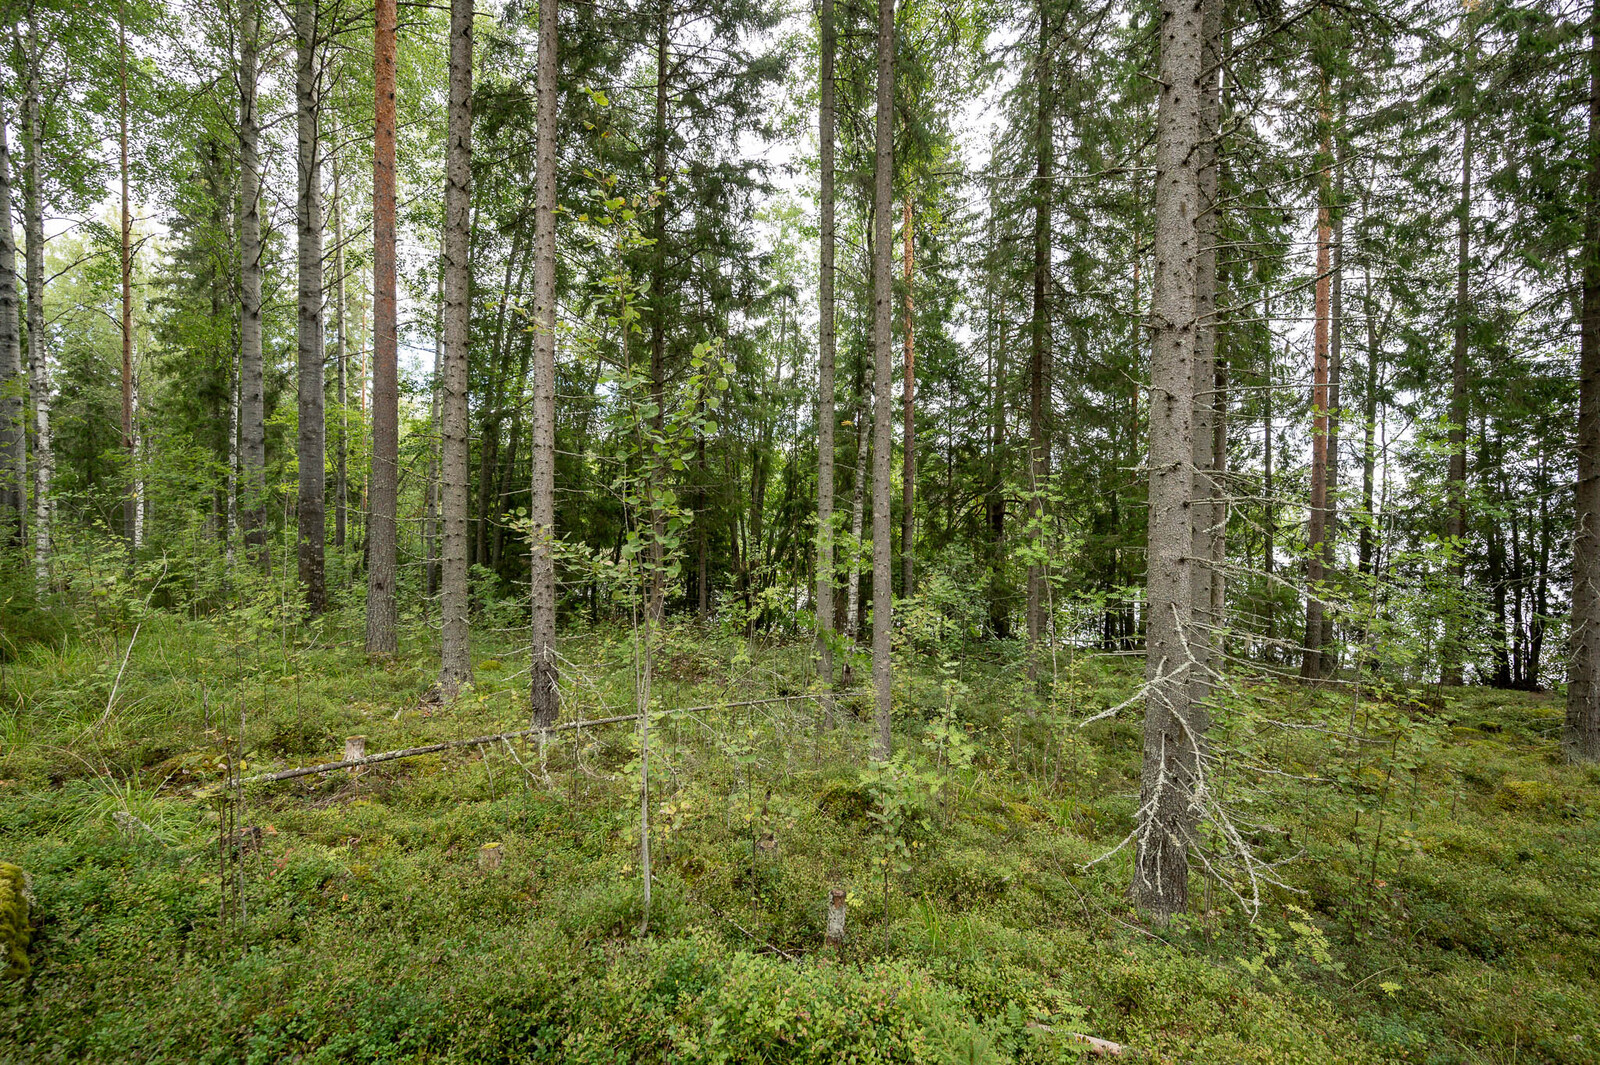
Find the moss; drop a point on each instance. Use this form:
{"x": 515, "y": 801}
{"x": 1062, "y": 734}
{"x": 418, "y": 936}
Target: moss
{"x": 15, "y": 931}
{"x": 845, "y": 799}
{"x": 1525, "y": 795}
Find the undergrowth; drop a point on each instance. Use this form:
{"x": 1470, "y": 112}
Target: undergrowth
{"x": 1441, "y": 864}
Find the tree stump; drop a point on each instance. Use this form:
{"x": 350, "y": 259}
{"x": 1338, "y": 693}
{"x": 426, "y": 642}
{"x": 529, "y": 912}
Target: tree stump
{"x": 354, "y": 747}
{"x": 836, "y": 915}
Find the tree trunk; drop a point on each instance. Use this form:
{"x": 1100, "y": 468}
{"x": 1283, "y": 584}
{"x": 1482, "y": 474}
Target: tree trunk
{"x": 882, "y": 422}
{"x": 252, "y": 384}
{"x": 546, "y": 694}
{"x": 1581, "y": 737}
{"x": 825, "y": 366}
{"x": 130, "y": 502}
{"x": 1207, "y": 504}
{"x": 44, "y": 464}
{"x": 381, "y": 548}
{"x": 1038, "y": 444}
{"x": 310, "y": 442}
{"x": 341, "y": 479}
{"x": 13, "y": 432}
{"x": 908, "y": 456}
{"x": 1317, "y": 518}
{"x": 1172, "y": 744}
{"x": 455, "y": 659}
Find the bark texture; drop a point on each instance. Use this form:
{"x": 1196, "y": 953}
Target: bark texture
{"x": 1208, "y": 510}
{"x": 383, "y": 486}
{"x": 883, "y": 405}
{"x": 13, "y": 385}
{"x": 44, "y": 463}
{"x": 455, "y": 658}
{"x": 544, "y": 690}
{"x": 1581, "y": 736}
{"x": 311, "y": 438}
{"x": 252, "y": 384}
{"x": 1172, "y": 741}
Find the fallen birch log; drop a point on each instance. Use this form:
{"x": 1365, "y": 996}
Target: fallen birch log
{"x": 479, "y": 741}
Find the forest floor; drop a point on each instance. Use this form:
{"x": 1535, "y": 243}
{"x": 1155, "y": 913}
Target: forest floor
{"x": 1443, "y": 904}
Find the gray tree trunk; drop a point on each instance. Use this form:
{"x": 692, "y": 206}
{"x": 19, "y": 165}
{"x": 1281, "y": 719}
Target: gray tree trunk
{"x": 382, "y": 639}
{"x": 455, "y": 665}
{"x": 1207, "y": 497}
{"x": 883, "y": 405}
{"x": 544, "y": 691}
{"x": 1581, "y": 736}
{"x": 44, "y": 463}
{"x": 13, "y": 386}
{"x": 252, "y": 385}
{"x": 1172, "y": 742}
{"x": 310, "y": 443}
{"x": 825, "y": 363}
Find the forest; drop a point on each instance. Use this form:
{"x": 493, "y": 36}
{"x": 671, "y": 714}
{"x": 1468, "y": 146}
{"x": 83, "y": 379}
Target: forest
{"x": 840, "y": 531}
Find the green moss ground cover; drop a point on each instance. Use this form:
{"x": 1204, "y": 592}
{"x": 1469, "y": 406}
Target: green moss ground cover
{"x": 1439, "y": 902}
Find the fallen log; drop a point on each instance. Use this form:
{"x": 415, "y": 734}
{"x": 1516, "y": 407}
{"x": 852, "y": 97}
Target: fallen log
{"x": 479, "y": 741}
{"x": 1100, "y": 1048}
